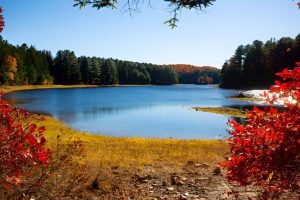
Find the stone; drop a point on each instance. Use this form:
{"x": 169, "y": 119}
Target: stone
{"x": 180, "y": 183}
{"x": 142, "y": 179}
{"x": 183, "y": 179}
{"x": 183, "y": 197}
{"x": 217, "y": 171}
{"x": 190, "y": 162}
{"x": 115, "y": 172}
{"x": 203, "y": 165}
{"x": 174, "y": 179}
{"x": 114, "y": 167}
{"x": 202, "y": 179}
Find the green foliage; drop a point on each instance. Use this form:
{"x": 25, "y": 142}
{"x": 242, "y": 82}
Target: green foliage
{"x": 255, "y": 65}
{"x": 133, "y": 5}
{"x": 33, "y": 65}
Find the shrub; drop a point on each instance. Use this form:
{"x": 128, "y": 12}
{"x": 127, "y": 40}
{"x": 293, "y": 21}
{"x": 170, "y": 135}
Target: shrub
{"x": 1, "y": 20}
{"x": 22, "y": 147}
{"x": 266, "y": 151}
{"x": 28, "y": 169}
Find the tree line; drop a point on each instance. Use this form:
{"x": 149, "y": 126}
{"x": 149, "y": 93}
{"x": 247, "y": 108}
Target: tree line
{"x": 189, "y": 74}
{"x": 68, "y": 69}
{"x": 22, "y": 65}
{"x": 255, "y": 65}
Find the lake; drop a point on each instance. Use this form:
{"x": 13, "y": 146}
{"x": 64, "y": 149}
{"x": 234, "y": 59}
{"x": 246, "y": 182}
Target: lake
{"x": 134, "y": 111}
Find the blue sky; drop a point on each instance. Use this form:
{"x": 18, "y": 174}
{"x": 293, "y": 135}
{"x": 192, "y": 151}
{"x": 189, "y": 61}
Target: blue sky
{"x": 202, "y": 38}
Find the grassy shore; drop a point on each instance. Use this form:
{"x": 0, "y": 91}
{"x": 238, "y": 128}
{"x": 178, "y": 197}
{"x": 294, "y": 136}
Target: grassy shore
{"x": 245, "y": 98}
{"x": 111, "y": 151}
{"x": 222, "y": 111}
{"x": 125, "y": 152}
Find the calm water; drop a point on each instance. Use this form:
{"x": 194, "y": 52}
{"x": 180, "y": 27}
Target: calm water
{"x": 142, "y": 111}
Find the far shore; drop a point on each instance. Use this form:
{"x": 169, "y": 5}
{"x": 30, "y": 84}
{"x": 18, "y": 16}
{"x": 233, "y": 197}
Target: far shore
{"x": 9, "y": 89}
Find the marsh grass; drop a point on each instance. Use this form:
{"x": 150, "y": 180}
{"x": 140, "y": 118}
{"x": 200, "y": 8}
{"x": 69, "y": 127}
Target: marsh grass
{"x": 222, "y": 111}
{"x": 245, "y": 98}
{"x": 107, "y": 151}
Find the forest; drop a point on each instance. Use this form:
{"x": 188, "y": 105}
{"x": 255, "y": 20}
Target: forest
{"x": 24, "y": 65}
{"x": 255, "y": 65}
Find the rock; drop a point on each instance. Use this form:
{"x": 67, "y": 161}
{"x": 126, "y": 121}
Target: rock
{"x": 183, "y": 179}
{"x": 164, "y": 183}
{"x": 114, "y": 167}
{"x": 95, "y": 184}
{"x": 190, "y": 163}
{"x": 180, "y": 183}
{"x": 182, "y": 197}
{"x": 142, "y": 179}
{"x": 217, "y": 171}
{"x": 202, "y": 179}
{"x": 203, "y": 165}
{"x": 174, "y": 179}
{"x": 115, "y": 172}
{"x": 170, "y": 189}
{"x": 156, "y": 184}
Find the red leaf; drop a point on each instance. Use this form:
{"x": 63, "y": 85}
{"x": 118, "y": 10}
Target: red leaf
{"x": 32, "y": 127}
{"x": 41, "y": 129}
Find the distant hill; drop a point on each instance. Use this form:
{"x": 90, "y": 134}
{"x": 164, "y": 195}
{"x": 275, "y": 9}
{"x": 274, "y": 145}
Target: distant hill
{"x": 190, "y": 74}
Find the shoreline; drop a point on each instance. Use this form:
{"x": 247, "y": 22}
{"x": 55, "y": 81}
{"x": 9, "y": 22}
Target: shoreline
{"x": 9, "y": 89}
{"x": 104, "y": 150}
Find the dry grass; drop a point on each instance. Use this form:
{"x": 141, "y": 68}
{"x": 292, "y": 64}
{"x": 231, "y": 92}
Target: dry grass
{"x": 246, "y": 98}
{"x": 106, "y": 151}
{"x": 222, "y": 111}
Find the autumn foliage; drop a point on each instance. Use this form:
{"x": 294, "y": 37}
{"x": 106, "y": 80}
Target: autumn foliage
{"x": 266, "y": 152}
{"x": 10, "y": 65}
{"x": 22, "y": 147}
{"x": 1, "y": 20}
{"x": 180, "y": 68}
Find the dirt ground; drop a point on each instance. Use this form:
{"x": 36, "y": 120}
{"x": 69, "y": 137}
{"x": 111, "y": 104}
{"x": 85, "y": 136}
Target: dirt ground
{"x": 190, "y": 182}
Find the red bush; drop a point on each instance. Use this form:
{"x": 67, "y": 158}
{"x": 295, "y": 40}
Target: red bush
{"x": 22, "y": 146}
{"x": 266, "y": 152}
{"x": 1, "y": 20}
